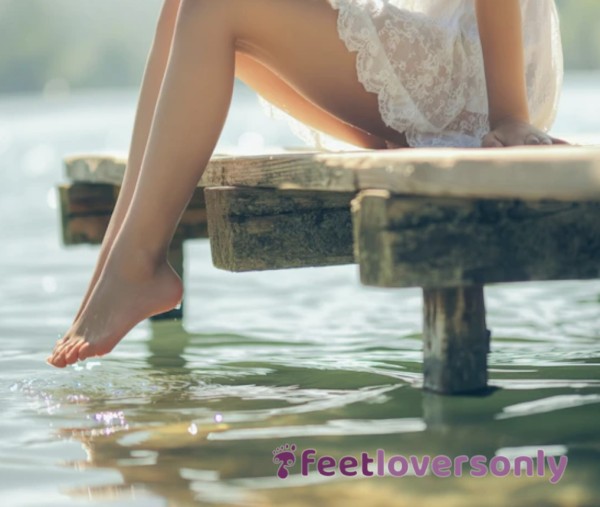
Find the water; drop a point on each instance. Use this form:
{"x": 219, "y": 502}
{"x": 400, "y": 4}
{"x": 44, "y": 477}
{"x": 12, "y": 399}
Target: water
{"x": 189, "y": 413}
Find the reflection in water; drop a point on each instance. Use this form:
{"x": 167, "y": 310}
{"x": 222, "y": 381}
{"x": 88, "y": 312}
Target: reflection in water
{"x": 184, "y": 427}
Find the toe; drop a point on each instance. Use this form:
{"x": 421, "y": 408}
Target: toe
{"x": 58, "y": 361}
{"x": 85, "y": 351}
{"x": 72, "y": 354}
{"x": 59, "y": 354}
{"x": 56, "y": 353}
{"x": 59, "y": 348}
{"x": 50, "y": 361}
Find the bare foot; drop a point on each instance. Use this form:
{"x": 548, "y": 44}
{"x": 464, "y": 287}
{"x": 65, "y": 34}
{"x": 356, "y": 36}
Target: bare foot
{"x": 126, "y": 293}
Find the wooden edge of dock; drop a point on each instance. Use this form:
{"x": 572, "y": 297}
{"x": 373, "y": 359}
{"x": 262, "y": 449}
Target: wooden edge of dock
{"x": 565, "y": 173}
{"x": 447, "y": 220}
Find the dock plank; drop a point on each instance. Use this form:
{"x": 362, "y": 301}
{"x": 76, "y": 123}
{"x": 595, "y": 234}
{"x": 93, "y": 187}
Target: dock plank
{"x": 527, "y": 173}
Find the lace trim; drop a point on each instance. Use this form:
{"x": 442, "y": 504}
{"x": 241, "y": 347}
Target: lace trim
{"x": 420, "y": 72}
{"x": 428, "y": 72}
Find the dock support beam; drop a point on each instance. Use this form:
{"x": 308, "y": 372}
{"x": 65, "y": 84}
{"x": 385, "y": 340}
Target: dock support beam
{"x": 455, "y": 340}
{"x": 254, "y": 229}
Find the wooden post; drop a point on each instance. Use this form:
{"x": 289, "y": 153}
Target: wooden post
{"x": 176, "y": 260}
{"x": 456, "y": 340}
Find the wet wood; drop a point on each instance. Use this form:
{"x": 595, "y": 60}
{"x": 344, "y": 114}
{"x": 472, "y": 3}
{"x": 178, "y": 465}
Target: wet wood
{"x": 455, "y": 340}
{"x": 527, "y": 173}
{"x": 416, "y": 242}
{"x": 257, "y": 229}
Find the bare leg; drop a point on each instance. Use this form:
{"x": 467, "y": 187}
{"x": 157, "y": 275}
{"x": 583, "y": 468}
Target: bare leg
{"x": 153, "y": 77}
{"x": 249, "y": 70}
{"x": 299, "y": 39}
{"x": 278, "y": 92}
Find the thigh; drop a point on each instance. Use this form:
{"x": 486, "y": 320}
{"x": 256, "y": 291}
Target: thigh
{"x": 279, "y": 93}
{"x": 298, "y": 40}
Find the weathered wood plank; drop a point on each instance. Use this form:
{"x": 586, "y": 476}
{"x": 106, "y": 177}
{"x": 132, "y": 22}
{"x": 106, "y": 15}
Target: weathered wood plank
{"x": 257, "y": 229}
{"x": 527, "y": 173}
{"x": 530, "y": 173}
{"x": 292, "y": 170}
{"x": 110, "y": 169}
{"x": 406, "y": 242}
{"x": 86, "y": 210}
{"x": 455, "y": 340}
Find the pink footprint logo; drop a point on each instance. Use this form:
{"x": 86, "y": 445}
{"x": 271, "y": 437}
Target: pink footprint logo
{"x": 285, "y": 456}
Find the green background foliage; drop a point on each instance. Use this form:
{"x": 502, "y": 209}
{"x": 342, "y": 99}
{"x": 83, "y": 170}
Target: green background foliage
{"x": 580, "y": 27}
{"x": 104, "y": 43}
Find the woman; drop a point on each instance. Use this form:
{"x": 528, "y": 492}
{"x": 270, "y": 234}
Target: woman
{"x": 373, "y": 73}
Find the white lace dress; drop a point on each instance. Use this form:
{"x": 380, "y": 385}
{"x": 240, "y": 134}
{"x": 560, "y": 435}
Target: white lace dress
{"x": 423, "y": 59}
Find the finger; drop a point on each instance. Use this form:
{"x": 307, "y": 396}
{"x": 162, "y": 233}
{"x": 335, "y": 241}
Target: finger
{"x": 533, "y": 140}
{"x": 556, "y": 140}
{"x": 491, "y": 141}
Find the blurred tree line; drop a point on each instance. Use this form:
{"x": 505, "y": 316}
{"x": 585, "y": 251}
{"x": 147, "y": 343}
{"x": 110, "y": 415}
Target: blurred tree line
{"x": 103, "y": 43}
{"x": 82, "y": 43}
{"x": 580, "y": 27}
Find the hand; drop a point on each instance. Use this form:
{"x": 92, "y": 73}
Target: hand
{"x": 517, "y": 133}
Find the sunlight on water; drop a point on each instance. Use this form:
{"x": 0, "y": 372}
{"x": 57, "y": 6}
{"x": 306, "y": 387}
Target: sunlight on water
{"x": 193, "y": 413}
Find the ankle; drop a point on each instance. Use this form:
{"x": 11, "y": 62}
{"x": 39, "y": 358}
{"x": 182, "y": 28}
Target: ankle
{"x": 135, "y": 263}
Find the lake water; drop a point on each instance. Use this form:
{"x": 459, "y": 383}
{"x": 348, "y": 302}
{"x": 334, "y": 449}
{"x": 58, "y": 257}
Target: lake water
{"x": 189, "y": 413}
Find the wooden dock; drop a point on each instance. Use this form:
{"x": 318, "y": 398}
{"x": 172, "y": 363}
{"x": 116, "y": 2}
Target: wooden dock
{"x": 447, "y": 220}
